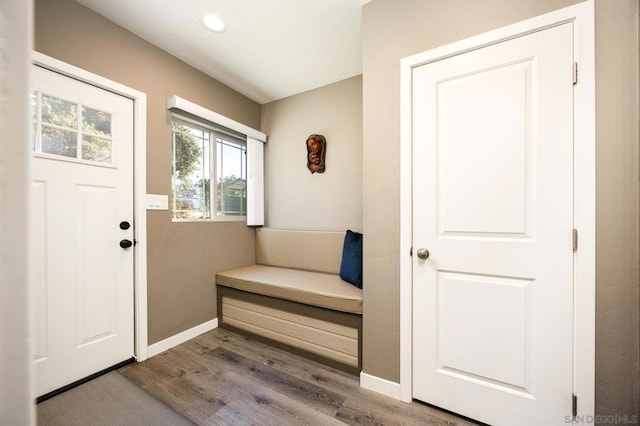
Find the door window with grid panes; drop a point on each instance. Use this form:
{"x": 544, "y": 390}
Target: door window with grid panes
{"x": 70, "y": 131}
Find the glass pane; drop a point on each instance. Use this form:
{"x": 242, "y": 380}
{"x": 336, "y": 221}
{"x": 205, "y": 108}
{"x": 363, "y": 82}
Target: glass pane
{"x": 231, "y": 179}
{"x": 96, "y": 149}
{"x": 59, "y": 112}
{"x": 34, "y": 135}
{"x": 96, "y": 122}
{"x": 205, "y": 182}
{"x": 191, "y": 174}
{"x": 33, "y": 101}
{"x": 59, "y": 142}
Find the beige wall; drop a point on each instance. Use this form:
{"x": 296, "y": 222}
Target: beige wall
{"x": 617, "y": 251}
{"x": 295, "y": 198}
{"x": 16, "y": 392}
{"x": 182, "y": 257}
{"x": 393, "y": 30}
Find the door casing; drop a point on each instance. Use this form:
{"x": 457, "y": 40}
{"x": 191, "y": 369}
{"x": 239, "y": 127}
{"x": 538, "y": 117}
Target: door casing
{"x": 582, "y": 15}
{"x": 139, "y": 185}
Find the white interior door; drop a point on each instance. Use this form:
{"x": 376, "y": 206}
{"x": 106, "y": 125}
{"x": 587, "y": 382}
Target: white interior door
{"x": 493, "y": 205}
{"x": 81, "y": 191}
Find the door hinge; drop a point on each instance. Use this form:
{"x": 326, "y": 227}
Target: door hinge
{"x": 575, "y": 240}
{"x": 575, "y": 73}
{"x": 574, "y": 405}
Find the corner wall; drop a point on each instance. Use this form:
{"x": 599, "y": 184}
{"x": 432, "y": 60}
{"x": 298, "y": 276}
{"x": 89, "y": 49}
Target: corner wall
{"x": 182, "y": 257}
{"x": 617, "y": 209}
{"x": 295, "y": 198}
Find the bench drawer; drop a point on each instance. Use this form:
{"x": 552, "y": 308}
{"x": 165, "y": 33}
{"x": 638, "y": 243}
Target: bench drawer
{"x": 328, "y": 334}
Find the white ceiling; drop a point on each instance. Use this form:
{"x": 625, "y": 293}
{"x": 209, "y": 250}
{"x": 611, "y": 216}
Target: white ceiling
{"x": 271, "y": 48}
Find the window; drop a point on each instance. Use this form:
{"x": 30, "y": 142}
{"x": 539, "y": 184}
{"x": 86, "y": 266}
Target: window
{"x": 208, "y": 161}
{"x": 215, "y": 155}
{"x": 69, "y": 130}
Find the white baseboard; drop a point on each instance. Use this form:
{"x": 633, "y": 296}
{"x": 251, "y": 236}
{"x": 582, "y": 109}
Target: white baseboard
{"x": 382, "y": 386}
{"x": 179, "y": 338}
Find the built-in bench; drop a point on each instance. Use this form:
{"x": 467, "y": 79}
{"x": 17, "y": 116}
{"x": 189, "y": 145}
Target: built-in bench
{"x": 294, "y": 296}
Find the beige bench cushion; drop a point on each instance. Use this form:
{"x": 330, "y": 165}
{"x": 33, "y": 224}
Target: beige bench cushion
{"x": 300, "y": 249}
{"x": 311, "y": 288}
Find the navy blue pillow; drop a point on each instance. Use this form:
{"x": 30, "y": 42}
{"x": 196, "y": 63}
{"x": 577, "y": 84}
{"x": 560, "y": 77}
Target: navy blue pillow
{"x": 351, "y": 266}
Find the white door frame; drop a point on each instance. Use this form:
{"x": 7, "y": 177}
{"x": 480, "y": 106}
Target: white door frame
{"x": 139, "y": 185}
{"x": 582, "y": 16}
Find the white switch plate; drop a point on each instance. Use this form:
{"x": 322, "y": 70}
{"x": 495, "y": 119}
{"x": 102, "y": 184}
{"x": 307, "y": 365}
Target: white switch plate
{"x": 157, "y": 202}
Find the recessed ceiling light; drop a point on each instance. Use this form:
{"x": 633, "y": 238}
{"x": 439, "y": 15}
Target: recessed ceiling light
{"x": 214, "y": 22}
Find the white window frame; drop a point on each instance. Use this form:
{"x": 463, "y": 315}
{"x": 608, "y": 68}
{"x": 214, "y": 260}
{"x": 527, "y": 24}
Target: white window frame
{"x": 255, "y": 157}
{"x": 214, "y": 134}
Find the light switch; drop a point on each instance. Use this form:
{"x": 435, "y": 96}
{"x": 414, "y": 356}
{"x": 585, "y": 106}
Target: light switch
{"x": 157, "y": 202}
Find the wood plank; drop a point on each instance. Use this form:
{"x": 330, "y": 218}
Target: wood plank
{"x": 179, "y": 394}
{"x": 336, "y": 380}
{"x": 314, "y": 396}
{"x": 266, "y": 354}
{"x": 292, "y": 317}
{"x": 261, "y": 405}
{"x": 303, "y": 332}
{"x": 362, "y": 412}
{"x": 223, "y": 378}
{"x": 360, "y": 407}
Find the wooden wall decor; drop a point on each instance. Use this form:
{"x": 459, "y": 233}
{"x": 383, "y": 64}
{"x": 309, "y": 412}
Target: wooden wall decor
{"x": 316, "y": 151}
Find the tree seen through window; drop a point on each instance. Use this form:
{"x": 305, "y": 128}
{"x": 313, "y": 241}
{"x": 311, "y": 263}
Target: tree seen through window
{"x": 70, "y": 130}
{"x": 195, "y": 163}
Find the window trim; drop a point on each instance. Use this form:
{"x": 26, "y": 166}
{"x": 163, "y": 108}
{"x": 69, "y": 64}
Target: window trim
{"x": 215, "y": 136}
{"x": 184, "y": 110}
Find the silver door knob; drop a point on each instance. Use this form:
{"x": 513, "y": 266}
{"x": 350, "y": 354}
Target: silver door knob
{"x": 422, "y": 253}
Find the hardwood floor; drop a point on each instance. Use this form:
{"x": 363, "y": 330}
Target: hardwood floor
{"x": 222, "y": 378}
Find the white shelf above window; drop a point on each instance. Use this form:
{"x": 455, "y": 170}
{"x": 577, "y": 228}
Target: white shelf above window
{"x": 178, "y": 103}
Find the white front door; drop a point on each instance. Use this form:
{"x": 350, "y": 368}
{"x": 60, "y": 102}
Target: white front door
{"x": 81, "y": 202}
{"x": 493, "y": 205}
